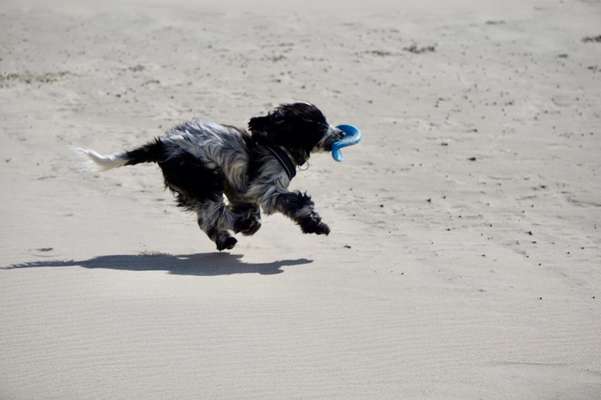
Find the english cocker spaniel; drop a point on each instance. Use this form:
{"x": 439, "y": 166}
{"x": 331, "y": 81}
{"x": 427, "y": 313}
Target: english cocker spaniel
{"x": 203, "y": 161}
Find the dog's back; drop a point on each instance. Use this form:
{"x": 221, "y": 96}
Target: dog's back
{"x": 216, "y": 146}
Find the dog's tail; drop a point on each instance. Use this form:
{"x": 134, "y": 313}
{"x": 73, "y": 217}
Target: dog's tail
{"x": 151, "y": 152}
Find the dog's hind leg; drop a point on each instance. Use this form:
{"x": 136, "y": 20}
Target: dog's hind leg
{"x": 215, "y": 219}
{"x": 199, "y": 188}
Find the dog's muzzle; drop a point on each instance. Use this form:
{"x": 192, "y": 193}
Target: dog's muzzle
{"x": 332, "y": 135}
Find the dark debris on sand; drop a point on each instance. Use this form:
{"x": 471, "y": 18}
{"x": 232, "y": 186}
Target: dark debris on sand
{"x": 28, "y": 77}
{"x": 415, "y": 49}
{"x": 592, "y": 39}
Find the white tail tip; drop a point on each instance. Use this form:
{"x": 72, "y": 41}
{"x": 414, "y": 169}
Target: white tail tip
{"x": 105, "y": 162}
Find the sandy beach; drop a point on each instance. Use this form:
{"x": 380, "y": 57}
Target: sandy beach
{"x": 465, "y": 255}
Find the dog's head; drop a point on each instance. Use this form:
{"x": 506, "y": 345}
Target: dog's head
{"x": 299, "y": 127}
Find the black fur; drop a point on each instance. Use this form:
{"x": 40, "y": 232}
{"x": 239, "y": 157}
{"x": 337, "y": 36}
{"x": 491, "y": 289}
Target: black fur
{"x": 151, "y": 152}
{"x": 291, "y": 204}
{"x": 298, "y": 127}
{"x": 248, "y": 219}
{"x": 191, "y": 180}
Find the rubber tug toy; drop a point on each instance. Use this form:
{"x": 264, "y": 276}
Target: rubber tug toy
{"x": 352, "y": 136}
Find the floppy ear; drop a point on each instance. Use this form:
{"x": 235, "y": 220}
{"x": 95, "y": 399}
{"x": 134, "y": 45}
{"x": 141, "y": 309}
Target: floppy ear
{"x": 260, "y": 128}
{"x": 257, "y": 124}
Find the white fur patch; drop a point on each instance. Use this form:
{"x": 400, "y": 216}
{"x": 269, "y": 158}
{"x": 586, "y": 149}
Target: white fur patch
{"x": 105, "y": 162}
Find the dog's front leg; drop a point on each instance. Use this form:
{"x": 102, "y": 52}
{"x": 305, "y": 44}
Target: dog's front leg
{"x": 247, "y": 218}
{"x": 300, "y": 208}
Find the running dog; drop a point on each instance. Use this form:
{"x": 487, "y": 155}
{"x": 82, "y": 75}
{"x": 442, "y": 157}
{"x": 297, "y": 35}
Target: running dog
{"x": 202, "y": 161}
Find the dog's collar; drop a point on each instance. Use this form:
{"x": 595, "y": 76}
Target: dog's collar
{"x": 284, "y": 159}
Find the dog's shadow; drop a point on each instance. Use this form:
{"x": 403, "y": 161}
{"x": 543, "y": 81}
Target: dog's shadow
{"x": 200, "y": 264}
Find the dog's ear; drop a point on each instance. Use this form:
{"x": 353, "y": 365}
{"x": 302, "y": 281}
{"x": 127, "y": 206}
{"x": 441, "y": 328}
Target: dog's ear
{"x": 257, "y": 124}
{"x": 260, "y": 127}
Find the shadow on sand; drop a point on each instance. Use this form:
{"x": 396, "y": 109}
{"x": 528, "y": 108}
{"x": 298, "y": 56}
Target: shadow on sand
{"x": 201, "y": 264}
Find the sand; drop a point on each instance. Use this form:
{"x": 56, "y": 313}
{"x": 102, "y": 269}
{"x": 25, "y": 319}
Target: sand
{"x": 464, "y": 259}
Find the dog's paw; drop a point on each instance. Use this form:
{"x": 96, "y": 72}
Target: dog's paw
{"x": 322, "y": 229}
{"x": 252, "y": 228}
{"x": 248, "y": 219}
{"x": 247, "y": 226}
{"x": 313, "y": 224}
{"x": 226, "y": 243}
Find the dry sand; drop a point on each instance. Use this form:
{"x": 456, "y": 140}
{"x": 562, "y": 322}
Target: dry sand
{"x": 464, "y": 260}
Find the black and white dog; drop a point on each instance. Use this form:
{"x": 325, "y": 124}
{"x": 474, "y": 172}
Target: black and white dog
{"x": 202, "y": 161}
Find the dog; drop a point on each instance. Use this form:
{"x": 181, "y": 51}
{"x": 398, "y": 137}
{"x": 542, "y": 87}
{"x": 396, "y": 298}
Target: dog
{"x": 204, "y": 161}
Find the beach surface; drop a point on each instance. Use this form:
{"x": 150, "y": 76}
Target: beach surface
{"x": 465, "y": 255}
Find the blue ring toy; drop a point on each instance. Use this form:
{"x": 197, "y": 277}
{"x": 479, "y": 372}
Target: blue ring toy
{"x": 352, "y": 135}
